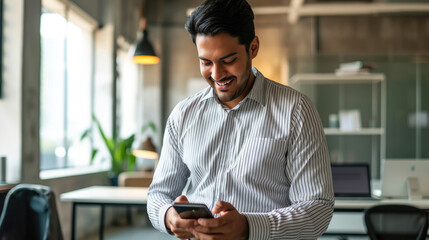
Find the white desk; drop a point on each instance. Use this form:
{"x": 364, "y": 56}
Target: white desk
{"x": 361, "y": 205}
{"x": 348, "y": 216}
{"x": 348, "y": 213}
{"x": 103, "y": 196}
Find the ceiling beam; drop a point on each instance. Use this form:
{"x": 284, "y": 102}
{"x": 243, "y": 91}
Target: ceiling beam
{"x": 337, "y": 9}
{"x": 294, "y": 10}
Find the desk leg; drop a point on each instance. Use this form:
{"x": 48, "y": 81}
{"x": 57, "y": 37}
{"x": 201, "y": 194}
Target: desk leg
{"x": 73, "y": 223}
{"x": 102, "y": 221}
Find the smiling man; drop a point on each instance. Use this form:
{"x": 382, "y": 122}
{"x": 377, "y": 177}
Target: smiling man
{"x": 226, "y": 65}
{"x": 253, "y": 150}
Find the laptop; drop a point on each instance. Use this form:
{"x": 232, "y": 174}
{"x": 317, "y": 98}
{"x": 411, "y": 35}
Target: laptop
{"x": 351, "y": 182}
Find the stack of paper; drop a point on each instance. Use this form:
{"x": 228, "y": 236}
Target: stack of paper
{"x": 350, "y": 68}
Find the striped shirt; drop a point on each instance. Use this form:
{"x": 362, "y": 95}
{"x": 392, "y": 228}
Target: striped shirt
{"x": 267, "y": 157}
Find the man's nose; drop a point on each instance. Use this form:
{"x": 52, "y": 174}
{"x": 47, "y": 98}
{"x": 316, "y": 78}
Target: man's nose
{"x": 218, "y": 72}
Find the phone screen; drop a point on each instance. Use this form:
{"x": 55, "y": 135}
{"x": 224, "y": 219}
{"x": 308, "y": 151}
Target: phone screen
{"x": 192, "y": 210}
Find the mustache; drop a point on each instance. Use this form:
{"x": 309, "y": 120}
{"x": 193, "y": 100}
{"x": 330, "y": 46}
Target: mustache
{"x": 223, "y": 79}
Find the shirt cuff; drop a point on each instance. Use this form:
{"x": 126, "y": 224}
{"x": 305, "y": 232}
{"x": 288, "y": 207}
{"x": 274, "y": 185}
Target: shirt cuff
{"x": 259, "y": 226}
{"x": 161, "y": 218}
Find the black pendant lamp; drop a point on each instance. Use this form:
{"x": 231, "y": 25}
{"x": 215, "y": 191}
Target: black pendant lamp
{"x": 144, "y": 53}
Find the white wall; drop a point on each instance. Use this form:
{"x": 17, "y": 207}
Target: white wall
{"x": 10, "y": 104}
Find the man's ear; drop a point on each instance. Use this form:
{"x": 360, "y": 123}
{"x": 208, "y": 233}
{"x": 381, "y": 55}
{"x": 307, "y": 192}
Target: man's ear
{"x": 254, "y": 47}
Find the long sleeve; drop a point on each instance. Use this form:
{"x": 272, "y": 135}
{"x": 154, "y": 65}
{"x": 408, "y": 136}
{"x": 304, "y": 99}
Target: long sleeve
{"x": 311, "y": 191}
{"x": 170, "y": 176}
{"x": 268, "y": 157}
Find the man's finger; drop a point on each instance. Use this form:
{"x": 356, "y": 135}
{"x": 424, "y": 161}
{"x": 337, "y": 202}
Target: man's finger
{"x": 213, "y": 222}
{"x": 200, "y": 235}
{"x": 182, "y": 228}
{"x": 184, "y": 224}
{"x": 184, "y": 235}
{"x": 181, "y": 199}
{"x": 222, "y": 206}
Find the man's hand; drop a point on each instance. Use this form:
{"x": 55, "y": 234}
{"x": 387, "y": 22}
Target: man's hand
{"x": 181, "y": 228}
{"x": 230, "y": 225}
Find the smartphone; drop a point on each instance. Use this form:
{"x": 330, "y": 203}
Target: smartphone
{"x": 192, "y": 210}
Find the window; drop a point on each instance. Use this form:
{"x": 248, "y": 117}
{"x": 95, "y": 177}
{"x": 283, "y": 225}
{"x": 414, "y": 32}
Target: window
{"x": 67, "y": 40}
{"x": 1, "y": 46}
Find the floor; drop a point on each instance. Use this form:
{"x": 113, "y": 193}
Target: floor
{"x": 141, "y": 229}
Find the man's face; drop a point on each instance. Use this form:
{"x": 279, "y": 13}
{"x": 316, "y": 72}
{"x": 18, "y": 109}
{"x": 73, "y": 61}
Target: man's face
{"x": 226, "y": 66}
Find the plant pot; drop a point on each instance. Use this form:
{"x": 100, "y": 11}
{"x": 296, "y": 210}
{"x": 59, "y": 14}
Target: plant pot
{"x": 113, "y": 180}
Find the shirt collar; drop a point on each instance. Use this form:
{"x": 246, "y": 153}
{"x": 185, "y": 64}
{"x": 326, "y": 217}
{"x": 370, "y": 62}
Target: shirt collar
{"x": 208, "y": 94}
{"x": 257, "y": 92}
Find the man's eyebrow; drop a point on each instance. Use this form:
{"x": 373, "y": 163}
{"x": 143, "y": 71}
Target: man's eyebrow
{"x": 204, "y": 59}
{"x": 227, "y": 56}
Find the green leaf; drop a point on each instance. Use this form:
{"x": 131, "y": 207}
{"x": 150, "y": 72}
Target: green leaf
{"x": 120, "y": 150}
{"x": 148, "y": 125}
{"x": 85, "y": 134}
{"x": 129, "y": 142}
{"x": 131, "y": 162}
{"x": 93, "y": 153}
{"x": 110, "y": 144}
{"x": 120, "y": 153}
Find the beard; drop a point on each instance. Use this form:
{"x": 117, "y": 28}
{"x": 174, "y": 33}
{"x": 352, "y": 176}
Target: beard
{"x": 240, "y": 88}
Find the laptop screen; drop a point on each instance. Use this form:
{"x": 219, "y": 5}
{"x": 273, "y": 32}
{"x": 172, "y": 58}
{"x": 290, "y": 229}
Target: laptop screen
{"x": 351, "y": 180}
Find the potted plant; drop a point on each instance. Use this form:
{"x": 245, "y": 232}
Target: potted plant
{"x": 119, "y": 149}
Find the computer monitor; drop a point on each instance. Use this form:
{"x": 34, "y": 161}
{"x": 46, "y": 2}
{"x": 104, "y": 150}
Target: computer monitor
{"x": 402, "y": 178}
{"x": 351, "y": 180}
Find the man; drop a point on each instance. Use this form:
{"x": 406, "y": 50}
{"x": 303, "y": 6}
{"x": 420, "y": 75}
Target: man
{"x": 254, "y": 150}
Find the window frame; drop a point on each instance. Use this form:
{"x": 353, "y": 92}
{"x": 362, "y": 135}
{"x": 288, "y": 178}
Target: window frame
{"x": 69, "y": 9}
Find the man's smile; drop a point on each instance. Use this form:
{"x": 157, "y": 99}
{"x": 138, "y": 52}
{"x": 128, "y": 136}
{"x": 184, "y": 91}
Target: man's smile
{"x": 224, "y": 83}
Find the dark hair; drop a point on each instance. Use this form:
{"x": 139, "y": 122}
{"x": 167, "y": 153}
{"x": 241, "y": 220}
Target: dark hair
{"x": 213, "y": 17}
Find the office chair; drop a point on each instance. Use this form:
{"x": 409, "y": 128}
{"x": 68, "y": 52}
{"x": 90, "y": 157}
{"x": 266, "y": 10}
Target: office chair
{"x": 30, "y": 212}
{"x": 396, "y": 222}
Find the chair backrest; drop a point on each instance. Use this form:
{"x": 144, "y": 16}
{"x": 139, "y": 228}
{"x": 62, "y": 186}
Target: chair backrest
{"x": 30, "y": 212}
{"x": 393, "y": 222}
{"x": 135, "y": 179}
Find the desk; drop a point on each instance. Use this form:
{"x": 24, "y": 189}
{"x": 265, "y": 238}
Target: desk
{"x": 348, "y": 214}
{"x": 104, "y": 196}
{"x": 361, "y": 205}
{"x": 137, "y": 196}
